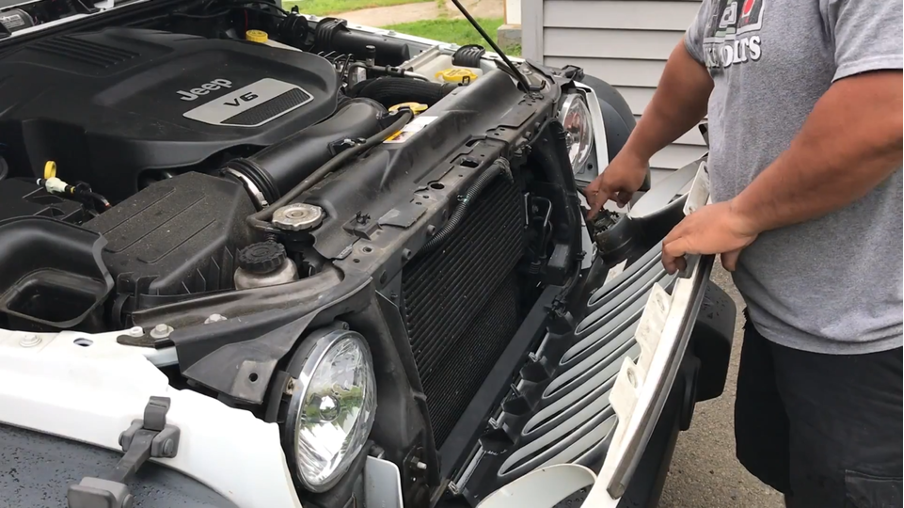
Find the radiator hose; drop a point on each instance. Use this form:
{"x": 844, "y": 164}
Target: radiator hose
{"x": 500, "y": 166}
{"x": 390, "y": 91}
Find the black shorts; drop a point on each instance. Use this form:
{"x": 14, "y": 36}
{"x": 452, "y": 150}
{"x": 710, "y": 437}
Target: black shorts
{"x": 823, "y": 429}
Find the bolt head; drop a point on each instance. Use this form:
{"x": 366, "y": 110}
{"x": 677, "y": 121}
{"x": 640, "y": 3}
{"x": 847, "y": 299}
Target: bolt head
{"x": 161, "y": 331}
{"x": 290, "y": 386}
{"x": 214, "y": 318}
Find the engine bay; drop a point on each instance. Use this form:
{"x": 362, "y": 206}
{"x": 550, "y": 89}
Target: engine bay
{"x": 153, "y": 146}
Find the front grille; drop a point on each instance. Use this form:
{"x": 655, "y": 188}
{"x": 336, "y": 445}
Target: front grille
{"x": 570, "y": 419}
{"x": 460, "y": 303}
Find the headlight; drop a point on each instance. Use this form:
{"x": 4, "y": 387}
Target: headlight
{"x": 575, "y": 117}
{"x": 331, "y": 410}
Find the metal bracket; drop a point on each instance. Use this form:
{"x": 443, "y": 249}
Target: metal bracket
{"x": 150, "y": 437}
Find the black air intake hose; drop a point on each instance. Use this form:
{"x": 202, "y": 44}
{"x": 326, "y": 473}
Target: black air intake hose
{"x": 333, "y": 35}
{"x": 390, "y": 91}
{"x": 258, "y": 220}
{"x": 293, "y": 30}
{"x": 279, "y": 167}
{"x": 499, "y": 167}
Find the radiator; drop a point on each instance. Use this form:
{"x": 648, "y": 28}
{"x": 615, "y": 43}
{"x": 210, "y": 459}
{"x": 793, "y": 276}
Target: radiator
{"x": 460, "y": 303}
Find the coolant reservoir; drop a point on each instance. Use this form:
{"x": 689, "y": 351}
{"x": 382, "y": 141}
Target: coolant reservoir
{"x": 264, "y": 264}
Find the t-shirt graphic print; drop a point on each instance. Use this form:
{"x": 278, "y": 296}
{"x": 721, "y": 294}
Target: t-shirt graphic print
{"x": 731, "y": 35}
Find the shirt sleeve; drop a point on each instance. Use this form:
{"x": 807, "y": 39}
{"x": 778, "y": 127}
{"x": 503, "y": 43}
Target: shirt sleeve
{"x": 867, "y": 34}
{"x": 693, "y": 37}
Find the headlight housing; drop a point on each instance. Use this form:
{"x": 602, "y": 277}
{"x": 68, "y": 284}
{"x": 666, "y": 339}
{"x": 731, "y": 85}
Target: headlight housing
{"x": 575, "y": 117}
{"x": 332, "y": 406}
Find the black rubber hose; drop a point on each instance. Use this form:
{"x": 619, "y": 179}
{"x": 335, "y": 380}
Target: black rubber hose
{"x": 390, "y": 91}
{"x": 259, "y": 219}
{"x": 500, "y": 166}
{"x": 280, "y": 166}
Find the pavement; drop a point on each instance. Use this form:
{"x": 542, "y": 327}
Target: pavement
{"x": 704, "y": 472}
{"x": 384, "y": 16}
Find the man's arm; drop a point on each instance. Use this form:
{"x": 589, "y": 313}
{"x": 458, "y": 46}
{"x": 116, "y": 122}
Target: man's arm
{"x": 849, "y": 144}
{"x": 678, "y": 104}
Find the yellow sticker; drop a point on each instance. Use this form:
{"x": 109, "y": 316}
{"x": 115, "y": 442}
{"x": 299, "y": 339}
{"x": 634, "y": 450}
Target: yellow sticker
{"x": 412, "y": 128}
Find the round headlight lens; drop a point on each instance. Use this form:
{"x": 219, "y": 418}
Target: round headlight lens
{"x": 575, "y": 117}
{"x": 332, "y": 407}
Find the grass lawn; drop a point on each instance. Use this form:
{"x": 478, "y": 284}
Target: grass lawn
{"x": 326, "y": 7}
{"x": 457, "y": 31}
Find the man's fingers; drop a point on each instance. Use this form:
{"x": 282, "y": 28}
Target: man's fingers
{"x": 730, "y": 259}
{"x": 673, "y": 255}
{"x": 597, "y": 199}
{"x": 595, "y": 207}
{"x": 672, "y": 264}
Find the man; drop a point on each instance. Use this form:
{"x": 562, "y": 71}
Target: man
{"x": 805, "y": 127}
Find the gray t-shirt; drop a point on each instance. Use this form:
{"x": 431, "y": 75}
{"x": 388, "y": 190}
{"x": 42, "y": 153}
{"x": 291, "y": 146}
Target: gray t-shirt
{"x": 831, "y": 285}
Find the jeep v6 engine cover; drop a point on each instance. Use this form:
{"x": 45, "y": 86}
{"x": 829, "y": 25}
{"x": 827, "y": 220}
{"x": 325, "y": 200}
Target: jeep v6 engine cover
{"x": 109, "y": 105}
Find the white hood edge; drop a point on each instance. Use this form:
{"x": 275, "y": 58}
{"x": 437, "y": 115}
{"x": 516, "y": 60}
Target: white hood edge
{"x": 92, "y": 392}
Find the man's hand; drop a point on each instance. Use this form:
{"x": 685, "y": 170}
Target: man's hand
{"x": 619, "y": 182}
{"x": 713, "y": 229}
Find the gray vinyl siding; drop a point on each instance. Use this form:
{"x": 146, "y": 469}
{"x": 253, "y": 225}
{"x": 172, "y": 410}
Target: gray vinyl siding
{"x": 622, "y": 42}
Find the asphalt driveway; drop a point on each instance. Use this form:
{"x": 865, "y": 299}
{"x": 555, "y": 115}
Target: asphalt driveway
{"x": 704, "y": 472}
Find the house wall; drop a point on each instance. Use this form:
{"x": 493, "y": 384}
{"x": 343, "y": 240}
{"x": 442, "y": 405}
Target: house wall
{"x": 623, "y": 42}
